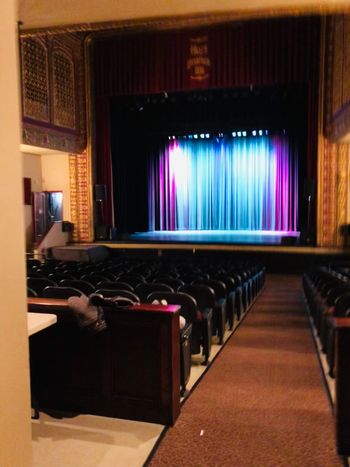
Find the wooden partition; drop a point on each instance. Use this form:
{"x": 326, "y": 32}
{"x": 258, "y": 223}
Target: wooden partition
{"x": 130, "y": 370}
{"x": 342, "y": 383}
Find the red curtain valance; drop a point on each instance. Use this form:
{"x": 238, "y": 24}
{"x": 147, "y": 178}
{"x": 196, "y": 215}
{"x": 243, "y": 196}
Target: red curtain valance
{"x": 262, "y": 52}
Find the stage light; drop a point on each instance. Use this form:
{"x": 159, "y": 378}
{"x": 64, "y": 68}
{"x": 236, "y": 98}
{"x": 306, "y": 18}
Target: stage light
{"x": 239, "y": 133}
{"x": 190, "y": 136}
{"x": 260, "y": 132}
{"x": 195, "y": 136}
{"x": 266, "y": 132}
{"x": 169, "y": 137}
{"x": 254, "y": 132}
{"x": 234, "y": 134}
{"x": 221, "y": 135}
{"x": 174, "y": 137}
{"x": 244, "y": 133}
{"x": 207, "y": 135}
{"x": 202, "y": 135}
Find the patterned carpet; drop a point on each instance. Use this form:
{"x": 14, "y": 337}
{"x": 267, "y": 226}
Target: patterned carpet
{"x": 263, "y": 402}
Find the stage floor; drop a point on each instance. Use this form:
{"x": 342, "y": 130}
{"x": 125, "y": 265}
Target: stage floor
{"x": 232, "y": 237}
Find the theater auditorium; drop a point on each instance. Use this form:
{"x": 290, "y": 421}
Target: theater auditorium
{"x": 175, "y": 233}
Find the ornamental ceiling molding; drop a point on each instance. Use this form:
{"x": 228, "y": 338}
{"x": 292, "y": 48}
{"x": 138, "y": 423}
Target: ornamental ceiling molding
{"x": 183, "y": 22}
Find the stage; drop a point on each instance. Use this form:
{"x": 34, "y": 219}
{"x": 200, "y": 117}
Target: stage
{"x": 225, "y": 237}
{"x": 281, "y": 252}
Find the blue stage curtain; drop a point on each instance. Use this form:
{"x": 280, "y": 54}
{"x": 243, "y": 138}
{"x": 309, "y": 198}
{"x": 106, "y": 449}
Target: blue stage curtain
{"x": 248, "y": 183}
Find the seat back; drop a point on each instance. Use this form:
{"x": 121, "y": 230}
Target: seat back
{"x": 38, "y": 284}
{"x": 342, "y": 305}
{"x": 109, "y": 293}
{"x": 144, "y": 289}
{"x": 85, "y": 287}
{"x": 120, "y": 285}
{"x": 171, "y": 281}
{"x": 203, "y": 294}
{"x": 132, "y": 279}
{"x": 227, "y": 280}
{"x": 58, "y": 276}
{"x": 94, "y": 278}
{"x": 188, "y": 304}
{"x": 109, "y": 275}
{"x": 218, "y": 286}
{"x": 191, "y": 277}
{"x": 60, "y": 292}
{"x": 31, "y": 292}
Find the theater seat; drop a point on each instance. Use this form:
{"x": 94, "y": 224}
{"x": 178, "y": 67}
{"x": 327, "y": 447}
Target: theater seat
{"x": 60, "y": 292}
{"x": 85, "y": 287}
{"x": 31, "y": 292}
{"x": 109, "y": 293}
{"x": 145, "y": 288}
{"x": 115, "y": 285}
{"x": 219, "y": 311}
{"x": 191, "y": 335}
{"x": 205, "y": 299}
{"x": 38, "y": 284}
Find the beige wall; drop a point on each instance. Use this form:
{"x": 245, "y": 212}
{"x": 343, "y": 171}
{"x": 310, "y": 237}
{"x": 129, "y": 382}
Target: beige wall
{"x": 32, "y": 169}
{"x": 40, "y": 13}
{"x": 15, "y": 434}
{"x": 55, "y": 177}
{"x": 48, "y": 172}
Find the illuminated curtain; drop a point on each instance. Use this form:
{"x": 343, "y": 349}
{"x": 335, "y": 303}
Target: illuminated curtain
{"x": 245, "y": 183}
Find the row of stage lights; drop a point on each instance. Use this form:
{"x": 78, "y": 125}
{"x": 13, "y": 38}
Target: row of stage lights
{"x": 234, "y": 134}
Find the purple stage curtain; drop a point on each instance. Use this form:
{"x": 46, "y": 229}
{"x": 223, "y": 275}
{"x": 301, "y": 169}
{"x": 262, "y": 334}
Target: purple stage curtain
{"x": 246, "y": 53}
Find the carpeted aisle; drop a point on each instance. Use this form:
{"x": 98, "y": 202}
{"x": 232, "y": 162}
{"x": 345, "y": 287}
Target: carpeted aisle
{"x": 263, "y": 402}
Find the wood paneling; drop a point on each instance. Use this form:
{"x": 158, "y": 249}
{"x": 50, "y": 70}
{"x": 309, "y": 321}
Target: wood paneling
{"x": 131, "y": 370}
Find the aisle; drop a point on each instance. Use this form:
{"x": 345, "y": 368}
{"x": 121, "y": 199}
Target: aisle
{"x": 263, "y": 402}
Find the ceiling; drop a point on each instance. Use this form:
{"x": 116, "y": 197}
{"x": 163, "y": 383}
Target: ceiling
{"x": 35, "y": 14}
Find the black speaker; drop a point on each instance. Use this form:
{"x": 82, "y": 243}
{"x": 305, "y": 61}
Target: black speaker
{"x": 100, "y": 192}
{"x": 102, "y": 232}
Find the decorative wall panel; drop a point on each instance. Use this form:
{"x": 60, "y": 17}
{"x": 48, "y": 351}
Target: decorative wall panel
{"x": 342, "y": 188}
{"x": 63, "y": 90}
{"x": 333, "y": 156}
{"x": 337, "y": 104}
{"x": 334, "y": 192}
{"x": 81, "y": 206}
{"x": 338, "y": 37}
{"x": 327, "y": 195}
{"x": 346, "y": 64}
{"x": 53, "y": 92}
{"x": 35, "y": 80}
